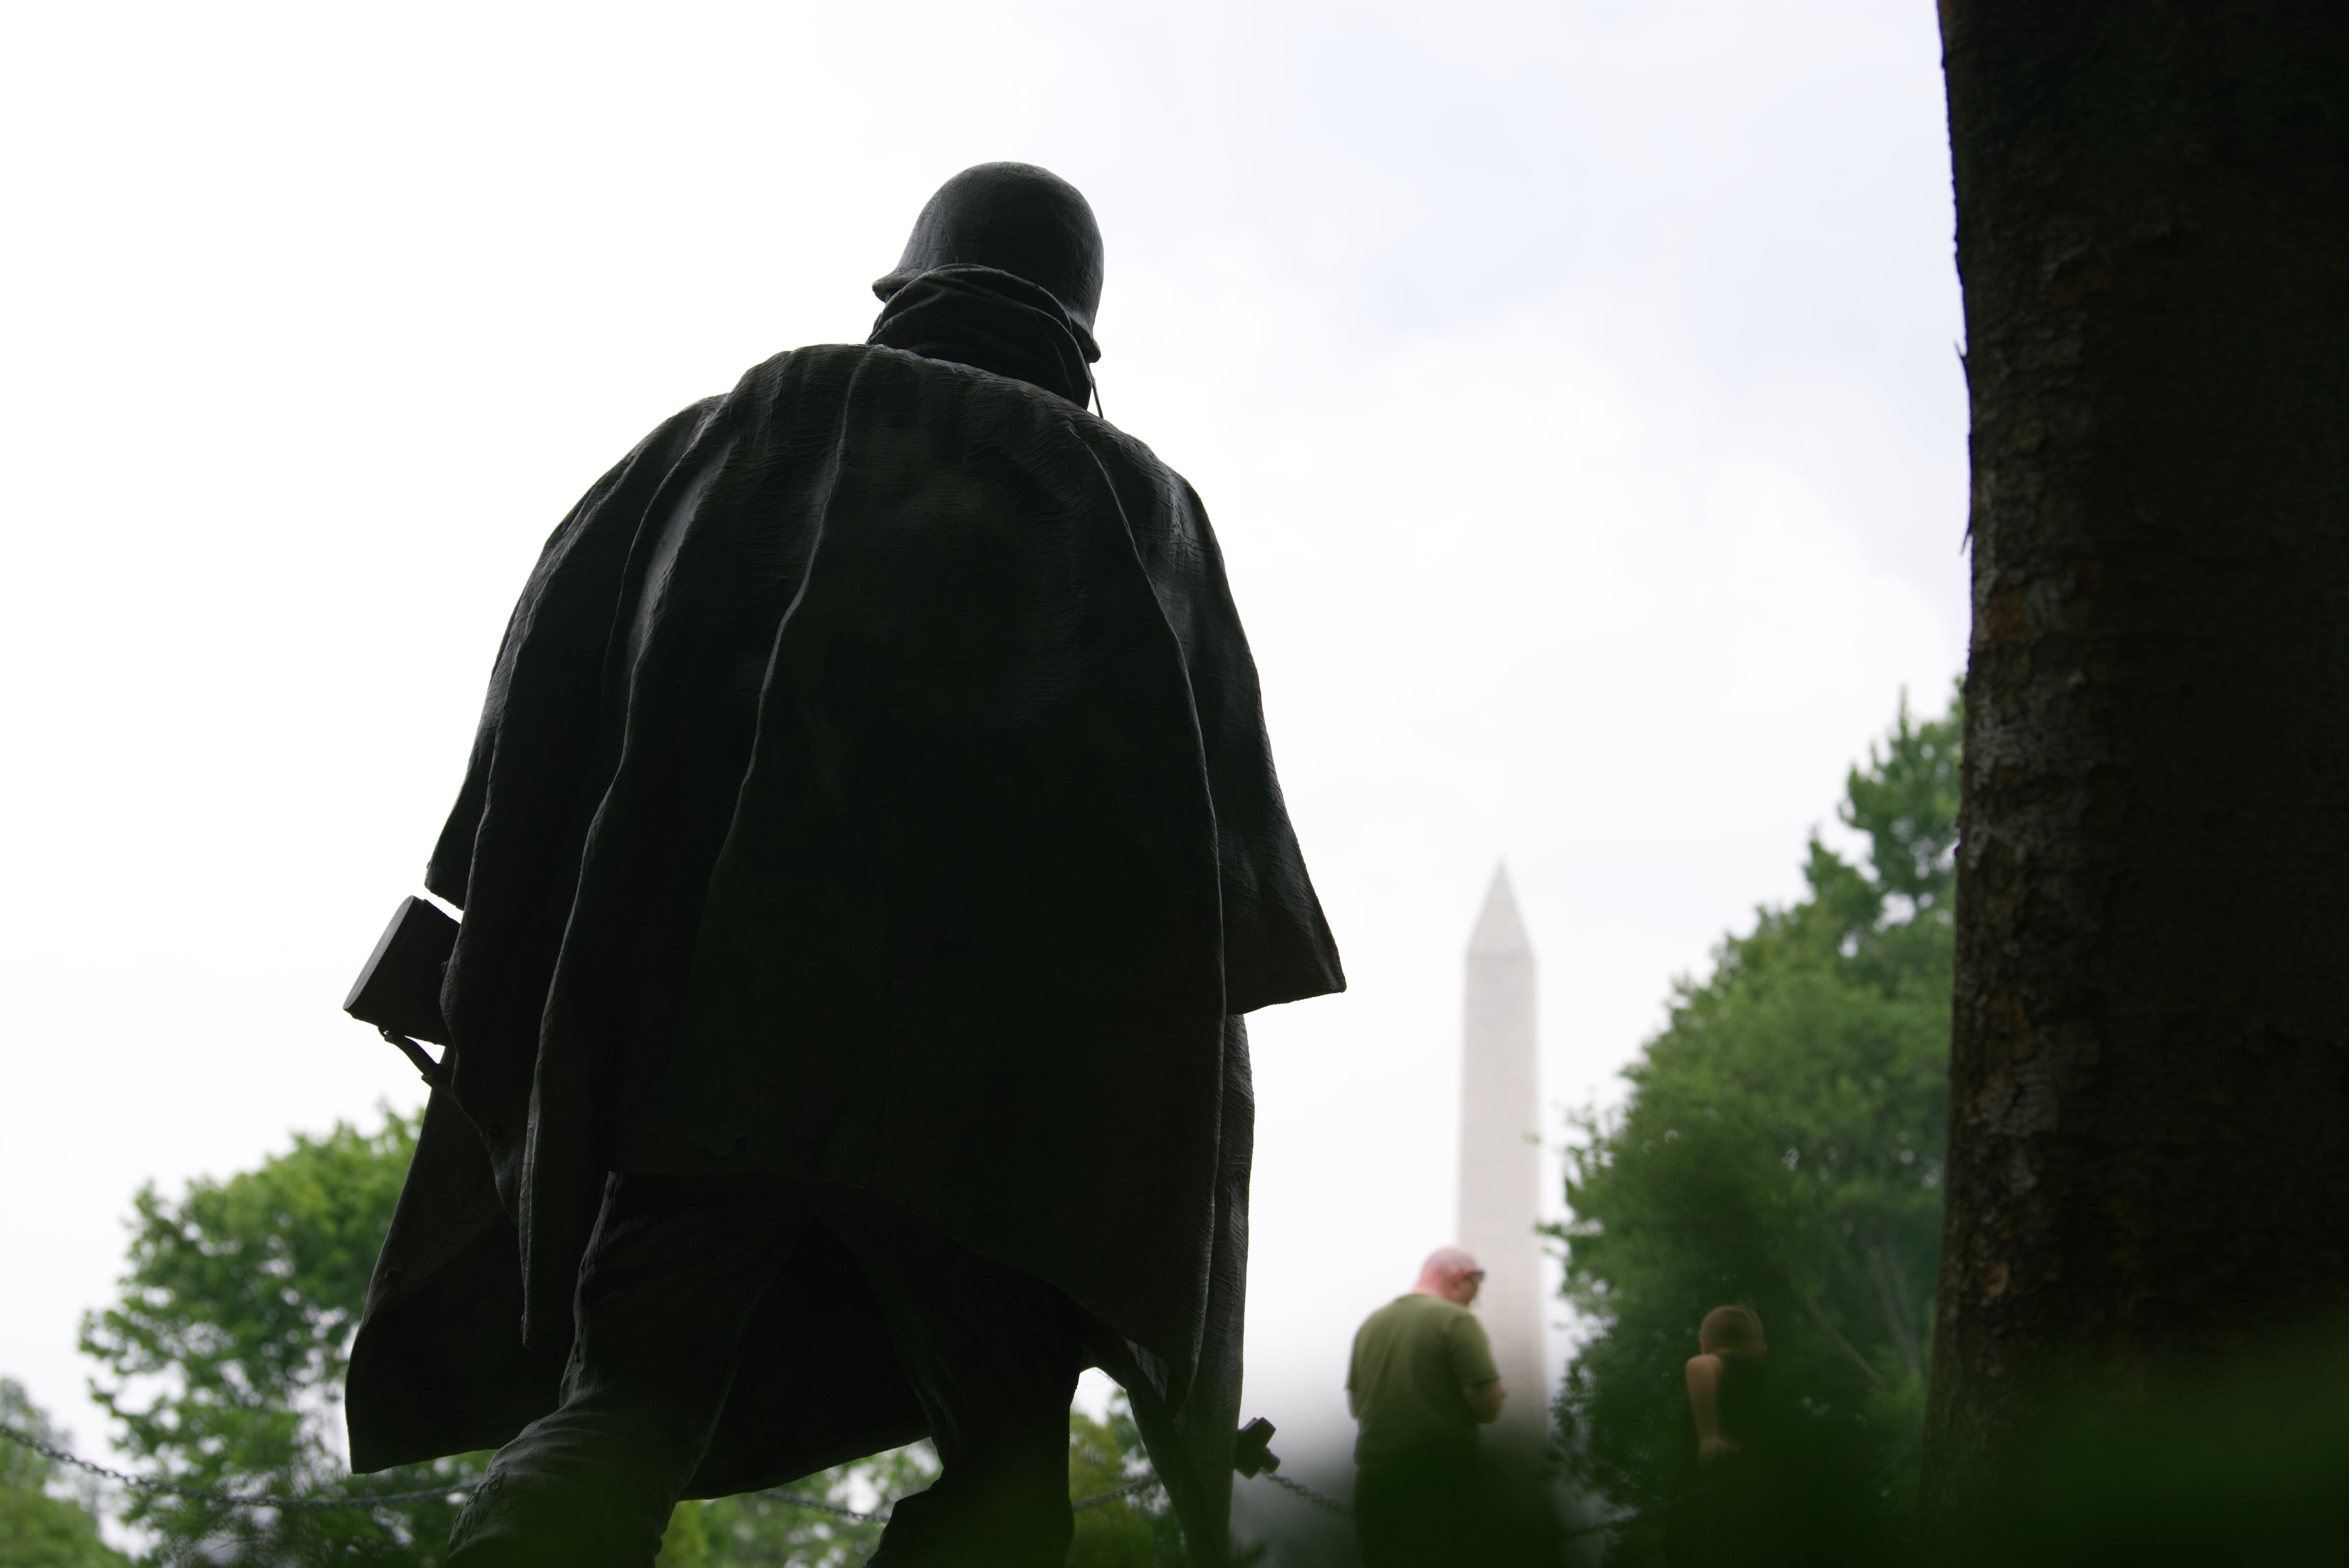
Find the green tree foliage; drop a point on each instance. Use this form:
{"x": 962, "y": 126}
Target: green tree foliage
{"x": 1119, "y": 1534}
{"x": 760, "y": 1529}
{"x": 37, "y": 1528}
{"x": 1782, "y": 1147}
{"x": 223, "y": 1359}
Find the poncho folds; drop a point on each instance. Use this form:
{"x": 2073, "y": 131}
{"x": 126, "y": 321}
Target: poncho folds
{"x": 872, "y": 789}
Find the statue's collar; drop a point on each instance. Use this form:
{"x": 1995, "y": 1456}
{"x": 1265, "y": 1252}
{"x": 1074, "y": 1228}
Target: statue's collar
{"x": 992, "y": 321}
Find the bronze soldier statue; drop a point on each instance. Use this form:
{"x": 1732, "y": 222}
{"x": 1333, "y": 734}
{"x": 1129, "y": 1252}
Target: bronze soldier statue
{"x": 869, "y": 849}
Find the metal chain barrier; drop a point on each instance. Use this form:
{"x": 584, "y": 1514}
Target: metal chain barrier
{"x": 1342, "y": 1510}
{"x": 1143, "y": 1484}
{"x": 801, "y": 1499}
{"x": 235, "y": 1500}
{"x": 1346, "y": 1510}
{"x": 230, "y": 1500}
{"x": 796, "y": 1499}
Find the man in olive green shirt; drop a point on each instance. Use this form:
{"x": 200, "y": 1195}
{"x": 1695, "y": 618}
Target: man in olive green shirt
{"x": 1421, "y": 1382}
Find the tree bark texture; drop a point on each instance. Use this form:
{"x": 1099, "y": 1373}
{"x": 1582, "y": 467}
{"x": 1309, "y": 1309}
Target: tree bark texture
{"x": 2150, "y": 1121}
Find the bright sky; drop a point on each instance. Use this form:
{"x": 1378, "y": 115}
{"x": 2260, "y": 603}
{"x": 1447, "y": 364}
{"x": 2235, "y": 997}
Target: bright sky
{"x": 1573, "y": 385}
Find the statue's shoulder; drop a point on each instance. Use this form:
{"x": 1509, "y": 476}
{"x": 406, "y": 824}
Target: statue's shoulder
{"x": 816, "y": 361}
{"x": 988, "y": 406}
{"x": 679, "y": 428}
{"x": 1128, "y": 447}
{"x": 833, "y": 367}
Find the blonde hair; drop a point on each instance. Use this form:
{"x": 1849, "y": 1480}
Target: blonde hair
{"x": 1731, "y": 1329}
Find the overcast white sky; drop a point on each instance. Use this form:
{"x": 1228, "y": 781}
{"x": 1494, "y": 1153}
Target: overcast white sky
{"x": 1573, "y": 386}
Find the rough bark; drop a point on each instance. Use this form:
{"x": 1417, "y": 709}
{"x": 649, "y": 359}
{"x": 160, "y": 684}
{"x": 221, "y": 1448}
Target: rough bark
{"x": 2150, "y": 1120}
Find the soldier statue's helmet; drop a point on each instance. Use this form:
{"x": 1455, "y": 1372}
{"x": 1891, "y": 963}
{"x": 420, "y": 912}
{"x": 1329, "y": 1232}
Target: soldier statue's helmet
{"x": 1018, "y": 218}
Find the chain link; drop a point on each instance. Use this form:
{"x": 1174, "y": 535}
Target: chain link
{"x": 797, "y": 1500}
{"x": 225, "y": 1499}
{"x": 1342, "y": 1510}
{"x": 1345, "y": 1510}
{"x": 801, "y": 1499}
{"x": 1111, "y": 1495}
{"x": 232, "y": 1499}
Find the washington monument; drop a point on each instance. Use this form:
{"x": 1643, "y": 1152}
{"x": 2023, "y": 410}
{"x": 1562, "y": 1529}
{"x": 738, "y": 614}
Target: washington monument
{"x": 1500, "y": 1157}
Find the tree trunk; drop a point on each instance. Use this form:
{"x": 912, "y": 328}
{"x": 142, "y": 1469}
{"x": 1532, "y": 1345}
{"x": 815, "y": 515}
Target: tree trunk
{"x": 2149, "y": 1118}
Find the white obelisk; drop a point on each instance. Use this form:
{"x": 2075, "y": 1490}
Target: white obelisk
{"x": 1500, "y": 1157}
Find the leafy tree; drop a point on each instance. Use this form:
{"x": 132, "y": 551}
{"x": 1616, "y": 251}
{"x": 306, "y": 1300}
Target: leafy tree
{"x": 759, "y": 1530}
{"x": 225, "y": 1360}
{"x": 224, "y": 1356}
{"x": 1119, "y": 1534}
{"x": 1783, "y": 1148}
{"x": 39, "y": 1529}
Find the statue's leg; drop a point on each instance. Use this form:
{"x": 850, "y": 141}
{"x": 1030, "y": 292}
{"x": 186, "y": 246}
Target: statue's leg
{"x": 672, "y": 1275}
{"x": 993, "y": 1355}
